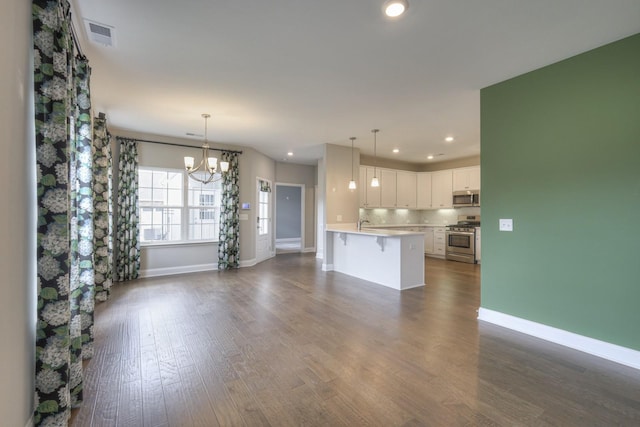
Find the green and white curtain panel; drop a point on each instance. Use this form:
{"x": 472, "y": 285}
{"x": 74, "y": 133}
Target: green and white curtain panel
{"x": 64, "y": 164}
{"x": 102, "y": 209}
{"x": 229, "y": 241}
{"x": 128, "y": 253}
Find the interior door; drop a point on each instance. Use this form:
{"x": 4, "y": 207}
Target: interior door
{"x": 264, "y": 232}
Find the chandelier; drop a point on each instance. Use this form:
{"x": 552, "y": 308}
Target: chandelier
{"x": 208, "y": 165}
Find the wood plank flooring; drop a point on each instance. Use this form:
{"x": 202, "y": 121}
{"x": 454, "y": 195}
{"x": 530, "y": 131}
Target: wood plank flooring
{"x": 286, "y": 344}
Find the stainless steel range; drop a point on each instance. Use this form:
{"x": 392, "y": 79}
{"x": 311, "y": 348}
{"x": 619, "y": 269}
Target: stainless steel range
{"x": 461, "y": 239}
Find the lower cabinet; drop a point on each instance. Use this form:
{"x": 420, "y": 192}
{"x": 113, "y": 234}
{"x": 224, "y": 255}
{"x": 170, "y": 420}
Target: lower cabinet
{"x": 428, "y": 240}
{"x": 434, "y": 241}
{"x": 439, "y": 241}
{"x": 478, "y": 245}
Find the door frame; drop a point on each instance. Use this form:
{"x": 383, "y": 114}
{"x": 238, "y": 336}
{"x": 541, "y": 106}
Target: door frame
{"x": 271, "y": 249}
{"x": 302, "y": 203}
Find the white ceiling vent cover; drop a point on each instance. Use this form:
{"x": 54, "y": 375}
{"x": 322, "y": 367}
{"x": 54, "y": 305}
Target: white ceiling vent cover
{"x": 100, "y": 33}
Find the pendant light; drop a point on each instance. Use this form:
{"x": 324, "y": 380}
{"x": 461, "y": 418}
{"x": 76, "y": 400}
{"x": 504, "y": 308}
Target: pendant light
{"x": 208, "y": 165}
{"x": 374, "y": 180}
{"x": 352, "y": 183}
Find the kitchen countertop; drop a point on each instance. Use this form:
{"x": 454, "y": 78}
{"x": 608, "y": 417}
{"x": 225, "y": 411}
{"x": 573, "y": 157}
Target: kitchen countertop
{"x": 402, "y": 225}
{"x": 370, "y": 231}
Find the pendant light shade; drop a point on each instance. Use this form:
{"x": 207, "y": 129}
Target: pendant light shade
{"x": 374, "y": 180}
{"x": 352, "y": 183}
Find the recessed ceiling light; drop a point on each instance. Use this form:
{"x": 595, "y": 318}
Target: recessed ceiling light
{"x": 449, "y": 139}
{"x": 395, "y": 150}
{"x": 290, "y": 153}
{"x": 430, "y": 157}
{"x": 395, "y": 8}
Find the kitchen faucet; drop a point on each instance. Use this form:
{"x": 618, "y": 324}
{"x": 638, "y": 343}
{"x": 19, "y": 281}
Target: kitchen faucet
{"x": 362, "y": 221}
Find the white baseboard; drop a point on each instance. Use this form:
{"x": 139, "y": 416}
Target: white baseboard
{"x": 248, "y": 263}
{"x": 169, "y": 271}
{"x": 603, "y": 349}
{"x": 308, "y": 250}
{"x": 289, "y": 240}
{"x": 327, "y": 267}
{"x": 319, "y": 255}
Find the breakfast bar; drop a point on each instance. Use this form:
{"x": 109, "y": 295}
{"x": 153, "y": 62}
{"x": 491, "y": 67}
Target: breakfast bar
{"x": 391, "y": 258}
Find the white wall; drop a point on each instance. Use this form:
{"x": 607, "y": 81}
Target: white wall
{"x": 17, "y": 216}
{"x": 320, "y": 209}
{"x": 341, "y": 203}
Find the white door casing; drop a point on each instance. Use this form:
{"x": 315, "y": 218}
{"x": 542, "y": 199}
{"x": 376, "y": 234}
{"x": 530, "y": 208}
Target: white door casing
{"x": 264, "y": 226}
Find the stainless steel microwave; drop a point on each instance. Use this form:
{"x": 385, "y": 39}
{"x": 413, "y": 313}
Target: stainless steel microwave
{"x": 466, "y": 198}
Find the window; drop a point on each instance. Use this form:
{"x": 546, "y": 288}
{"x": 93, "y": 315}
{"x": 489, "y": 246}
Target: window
{"x": 263, "y": 213}
{"x": 160, "y": 198}
{"x": 204, "y": 209}
{"x": 168, "y": 213}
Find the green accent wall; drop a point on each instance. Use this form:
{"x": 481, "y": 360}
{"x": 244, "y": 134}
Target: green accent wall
{"x": 561, "y": 157}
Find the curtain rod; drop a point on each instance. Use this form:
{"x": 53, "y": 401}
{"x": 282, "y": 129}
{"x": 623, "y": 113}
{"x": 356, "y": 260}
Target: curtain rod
{"x": 185, "y": 145}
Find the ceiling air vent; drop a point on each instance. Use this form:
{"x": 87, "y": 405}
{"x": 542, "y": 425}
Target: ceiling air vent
{"x": 100, "y": 33}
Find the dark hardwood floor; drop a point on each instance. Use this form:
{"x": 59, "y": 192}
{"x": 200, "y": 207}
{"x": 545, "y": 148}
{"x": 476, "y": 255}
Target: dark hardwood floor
{"x": 285, "y": 344}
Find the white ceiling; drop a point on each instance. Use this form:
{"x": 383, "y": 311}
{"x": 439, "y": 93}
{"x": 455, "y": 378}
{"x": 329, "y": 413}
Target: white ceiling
{"x": 292, "y": 75}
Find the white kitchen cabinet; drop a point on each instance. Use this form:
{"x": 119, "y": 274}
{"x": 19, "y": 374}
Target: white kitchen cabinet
{"x": 406, "y": 189}
{"x": 387, "y": 188}
{"x": 478, "y": 245}
{"x": 423, "y": 190}
{"x": 369, "y": 196}
{"x": 442, "y": 189}
{"x": 466, "y": 178}
{"x": 428, "y": 240}
{"x": 439, "y": 241}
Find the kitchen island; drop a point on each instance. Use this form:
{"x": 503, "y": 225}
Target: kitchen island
{"x": 391, "y": 258}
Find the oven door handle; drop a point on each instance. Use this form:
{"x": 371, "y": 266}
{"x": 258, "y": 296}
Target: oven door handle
{"x": 464, "y": 233}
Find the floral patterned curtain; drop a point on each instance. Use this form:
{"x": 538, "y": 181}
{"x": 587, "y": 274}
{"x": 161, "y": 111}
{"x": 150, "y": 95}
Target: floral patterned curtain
{"x": 64, "y": 245}
{"x": 81, "y": 215}
{"x": 128, "y": 255}
{"x": 229, "y": 241}
{"x": 102, "y": 209}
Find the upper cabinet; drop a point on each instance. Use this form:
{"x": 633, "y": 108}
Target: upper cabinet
{"x": 369, "y": 196}
{"x": 406, "y": 190}
{"x": 387, "y": 188}
{"x": 423, "y": 190}
{"x": 442, "y": 189}
{"x": 466, "y": 178}
{"x": 410, "y": 190}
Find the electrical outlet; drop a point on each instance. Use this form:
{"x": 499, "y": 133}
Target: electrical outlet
{"x": 505, "y": 224}
{"x": 339, "y": 218}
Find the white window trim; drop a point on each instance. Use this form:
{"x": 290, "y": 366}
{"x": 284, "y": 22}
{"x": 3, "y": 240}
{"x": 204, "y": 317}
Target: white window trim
{"x": 184, "y": 224}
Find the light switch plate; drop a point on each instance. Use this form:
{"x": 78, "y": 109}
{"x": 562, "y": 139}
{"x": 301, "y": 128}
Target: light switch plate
{"x": 506, "y": 224}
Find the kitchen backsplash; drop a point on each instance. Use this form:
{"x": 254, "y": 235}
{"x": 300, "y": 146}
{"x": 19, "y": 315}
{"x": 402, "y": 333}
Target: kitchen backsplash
{"x": 406, "y": 216}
